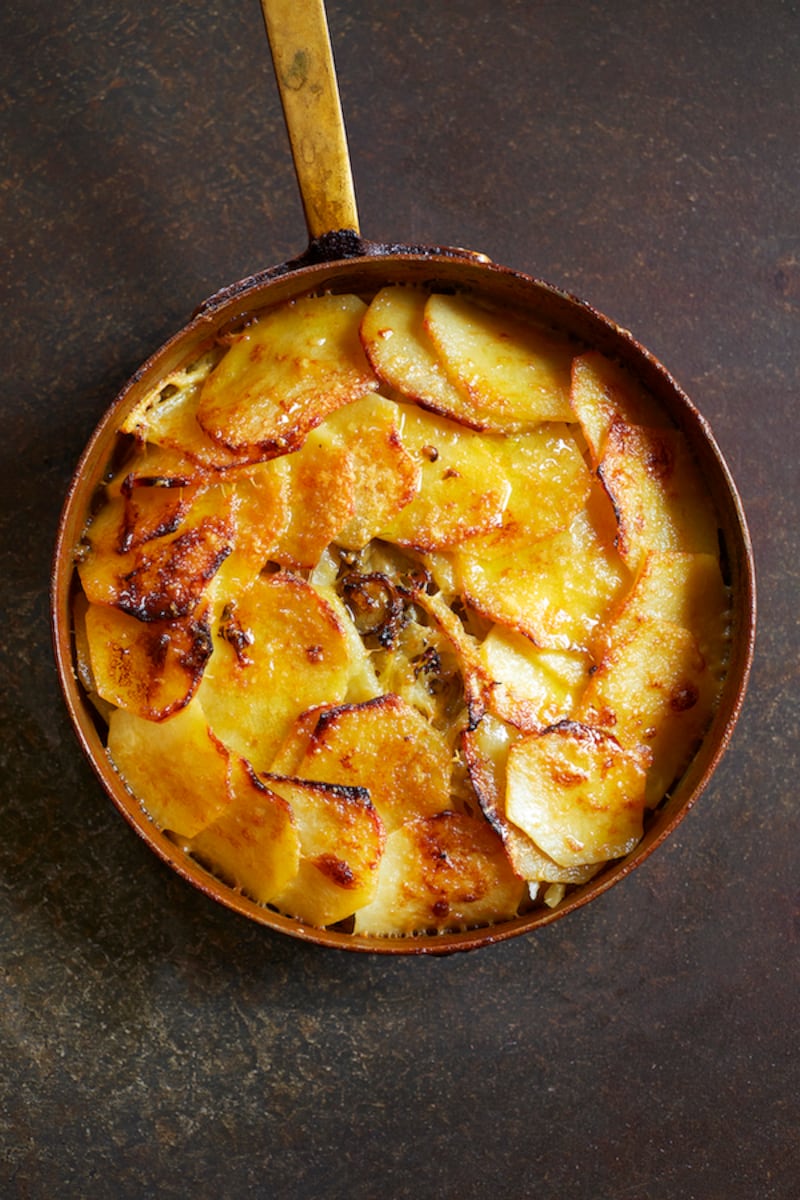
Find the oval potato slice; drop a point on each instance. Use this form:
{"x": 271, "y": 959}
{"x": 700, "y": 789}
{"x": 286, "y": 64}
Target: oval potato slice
{"x": 285, "y": 373}
{"x": 447, "y": 871}
{"x": 654, "y": 690}
{"x": 463, "y": 488}
{"x": 402, "y": 354}
{"x": 657, "y": 493}
{"x": 386, "y": 746}
{"x": 278, "y": 650}
{"x": 576, "y": 793}
{"x": 152, "y": 668}
{"x": 254, "y": 844}
{"x": 341, "y": 846}
{"x": 554, "y": 592}
{"x": 177, "y": 768}
{"x": 516, "y": 374}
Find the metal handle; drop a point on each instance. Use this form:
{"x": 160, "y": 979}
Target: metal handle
{"x": 303, "y": 60}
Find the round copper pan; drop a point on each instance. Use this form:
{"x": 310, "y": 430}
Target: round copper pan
{"x": 340, "y": 260}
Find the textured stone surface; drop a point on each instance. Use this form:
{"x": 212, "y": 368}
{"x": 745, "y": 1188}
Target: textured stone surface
{"x": 644, "y": 157}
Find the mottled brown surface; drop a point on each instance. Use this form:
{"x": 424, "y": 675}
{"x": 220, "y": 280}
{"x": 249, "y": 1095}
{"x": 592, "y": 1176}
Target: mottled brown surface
{"x": 644, "y": 156}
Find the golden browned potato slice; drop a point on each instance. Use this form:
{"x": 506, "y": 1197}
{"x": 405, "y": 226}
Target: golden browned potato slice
{"x": 385, "y": 476}
{"x": 177, "y": 769}
{"x": 576, "y": 793}
{"x": 279, "y": 649}
{"x": 549, "y": 483}
{"x": 341, "y": 847}
{"x": 554, "y": 592}
{"x": 447, "y": 871}
{"x": 602, "y": 394}
{"x": 285, "y": 373}
{"x": 529, "y": 687}
{"x": 464, "y": 487}
{"x": 149, "y": 668}
{"x": 321, "y": 481}
{"x": 260, "y": 503}
{"x": 657, "y": 493}
{"x": 166, "y": 577}
{"x": 486, "y": 752}
{"x": 686, "y": 589}
{"x": 653, "y": 690}
{"x": 402, "y": 355}
{"x": 254, "y": 845}
{"x": 516, "y": 374}
{"x": 386, "y": 746}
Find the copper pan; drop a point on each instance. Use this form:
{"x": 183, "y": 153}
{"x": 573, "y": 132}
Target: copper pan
{"x": 339, "y": 259}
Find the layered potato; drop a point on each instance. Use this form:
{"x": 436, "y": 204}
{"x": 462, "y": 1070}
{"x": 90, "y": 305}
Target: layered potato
{"x": 403, "y": 613}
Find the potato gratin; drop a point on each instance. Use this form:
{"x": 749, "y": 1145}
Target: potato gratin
{"x": 402, "y": 615}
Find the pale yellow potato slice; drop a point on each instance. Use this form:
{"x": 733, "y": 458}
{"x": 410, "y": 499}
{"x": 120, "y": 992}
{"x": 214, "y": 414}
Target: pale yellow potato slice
{"x": 254, "y": 845}
{"x": 385, "y": 476}
{"x": 549, "y": 483}
{"x": 515, "y": 373}
{"x": 447, "y": 871}
{"x": 686, "y": 589}
{"x": 463, "y": 489}
{"x": 529, "y": 687}
{"x": 149, "y": 668}
{"x": 653, "y": 690}
{"x": 402, "y": 354}
{"x": 166, "y": 577}
{"x": 384, "y": 745}
{"x": 657, "y": 493}
{"x": 285, "y": 373}
{"x": 602, "y": 393}
{"x": 554, "y": 592}
{"x": 279, "y": 650}
{"x": 341, "y": 848}
{"x": 576, "y": 793}
{"x": 176, "y": 769}
{"x": 167, "y": 416}
{"x": 486, "y": 752}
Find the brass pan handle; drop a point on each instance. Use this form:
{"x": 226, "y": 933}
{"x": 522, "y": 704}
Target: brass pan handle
{"x": 303, "y": 60}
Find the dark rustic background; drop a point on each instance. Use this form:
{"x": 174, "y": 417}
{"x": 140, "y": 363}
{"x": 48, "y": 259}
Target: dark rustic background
{"x": 641, "y": 154}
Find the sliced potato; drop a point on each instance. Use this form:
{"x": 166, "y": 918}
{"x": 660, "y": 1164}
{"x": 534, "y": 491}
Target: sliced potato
{"x": 447, "y": 871}
{"x": 515, "y": 373}
{"x": 385, "y": 475}
{"x": 341, "y": 847}
{"x": 285, "y": 373}
{"x": 177, "y": 769}
{"x": 657, "y": 493}
{"x": 463, "y": 484}
{"x": 686, "y": 589}
{"x": 576, "y": 793}
{"x": 653, "y": 690}
{"x": 548, "y": 485}
{"x": 538, "y": 591}
{"x": 529, "y": 687}
{"x": 402, "y": 354}
{"x": 279, "y": 650}
{"x": 321, "y": 480}
{"x": 164, "y": 578}
{"x": 603, "y": 394}
{"x": 151, "y": 669}
{"x": 386, "y": 746}
{"x": 486, "y": 751}
{"x": 167, "y": 415}
{"x": 254, "y": 844}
